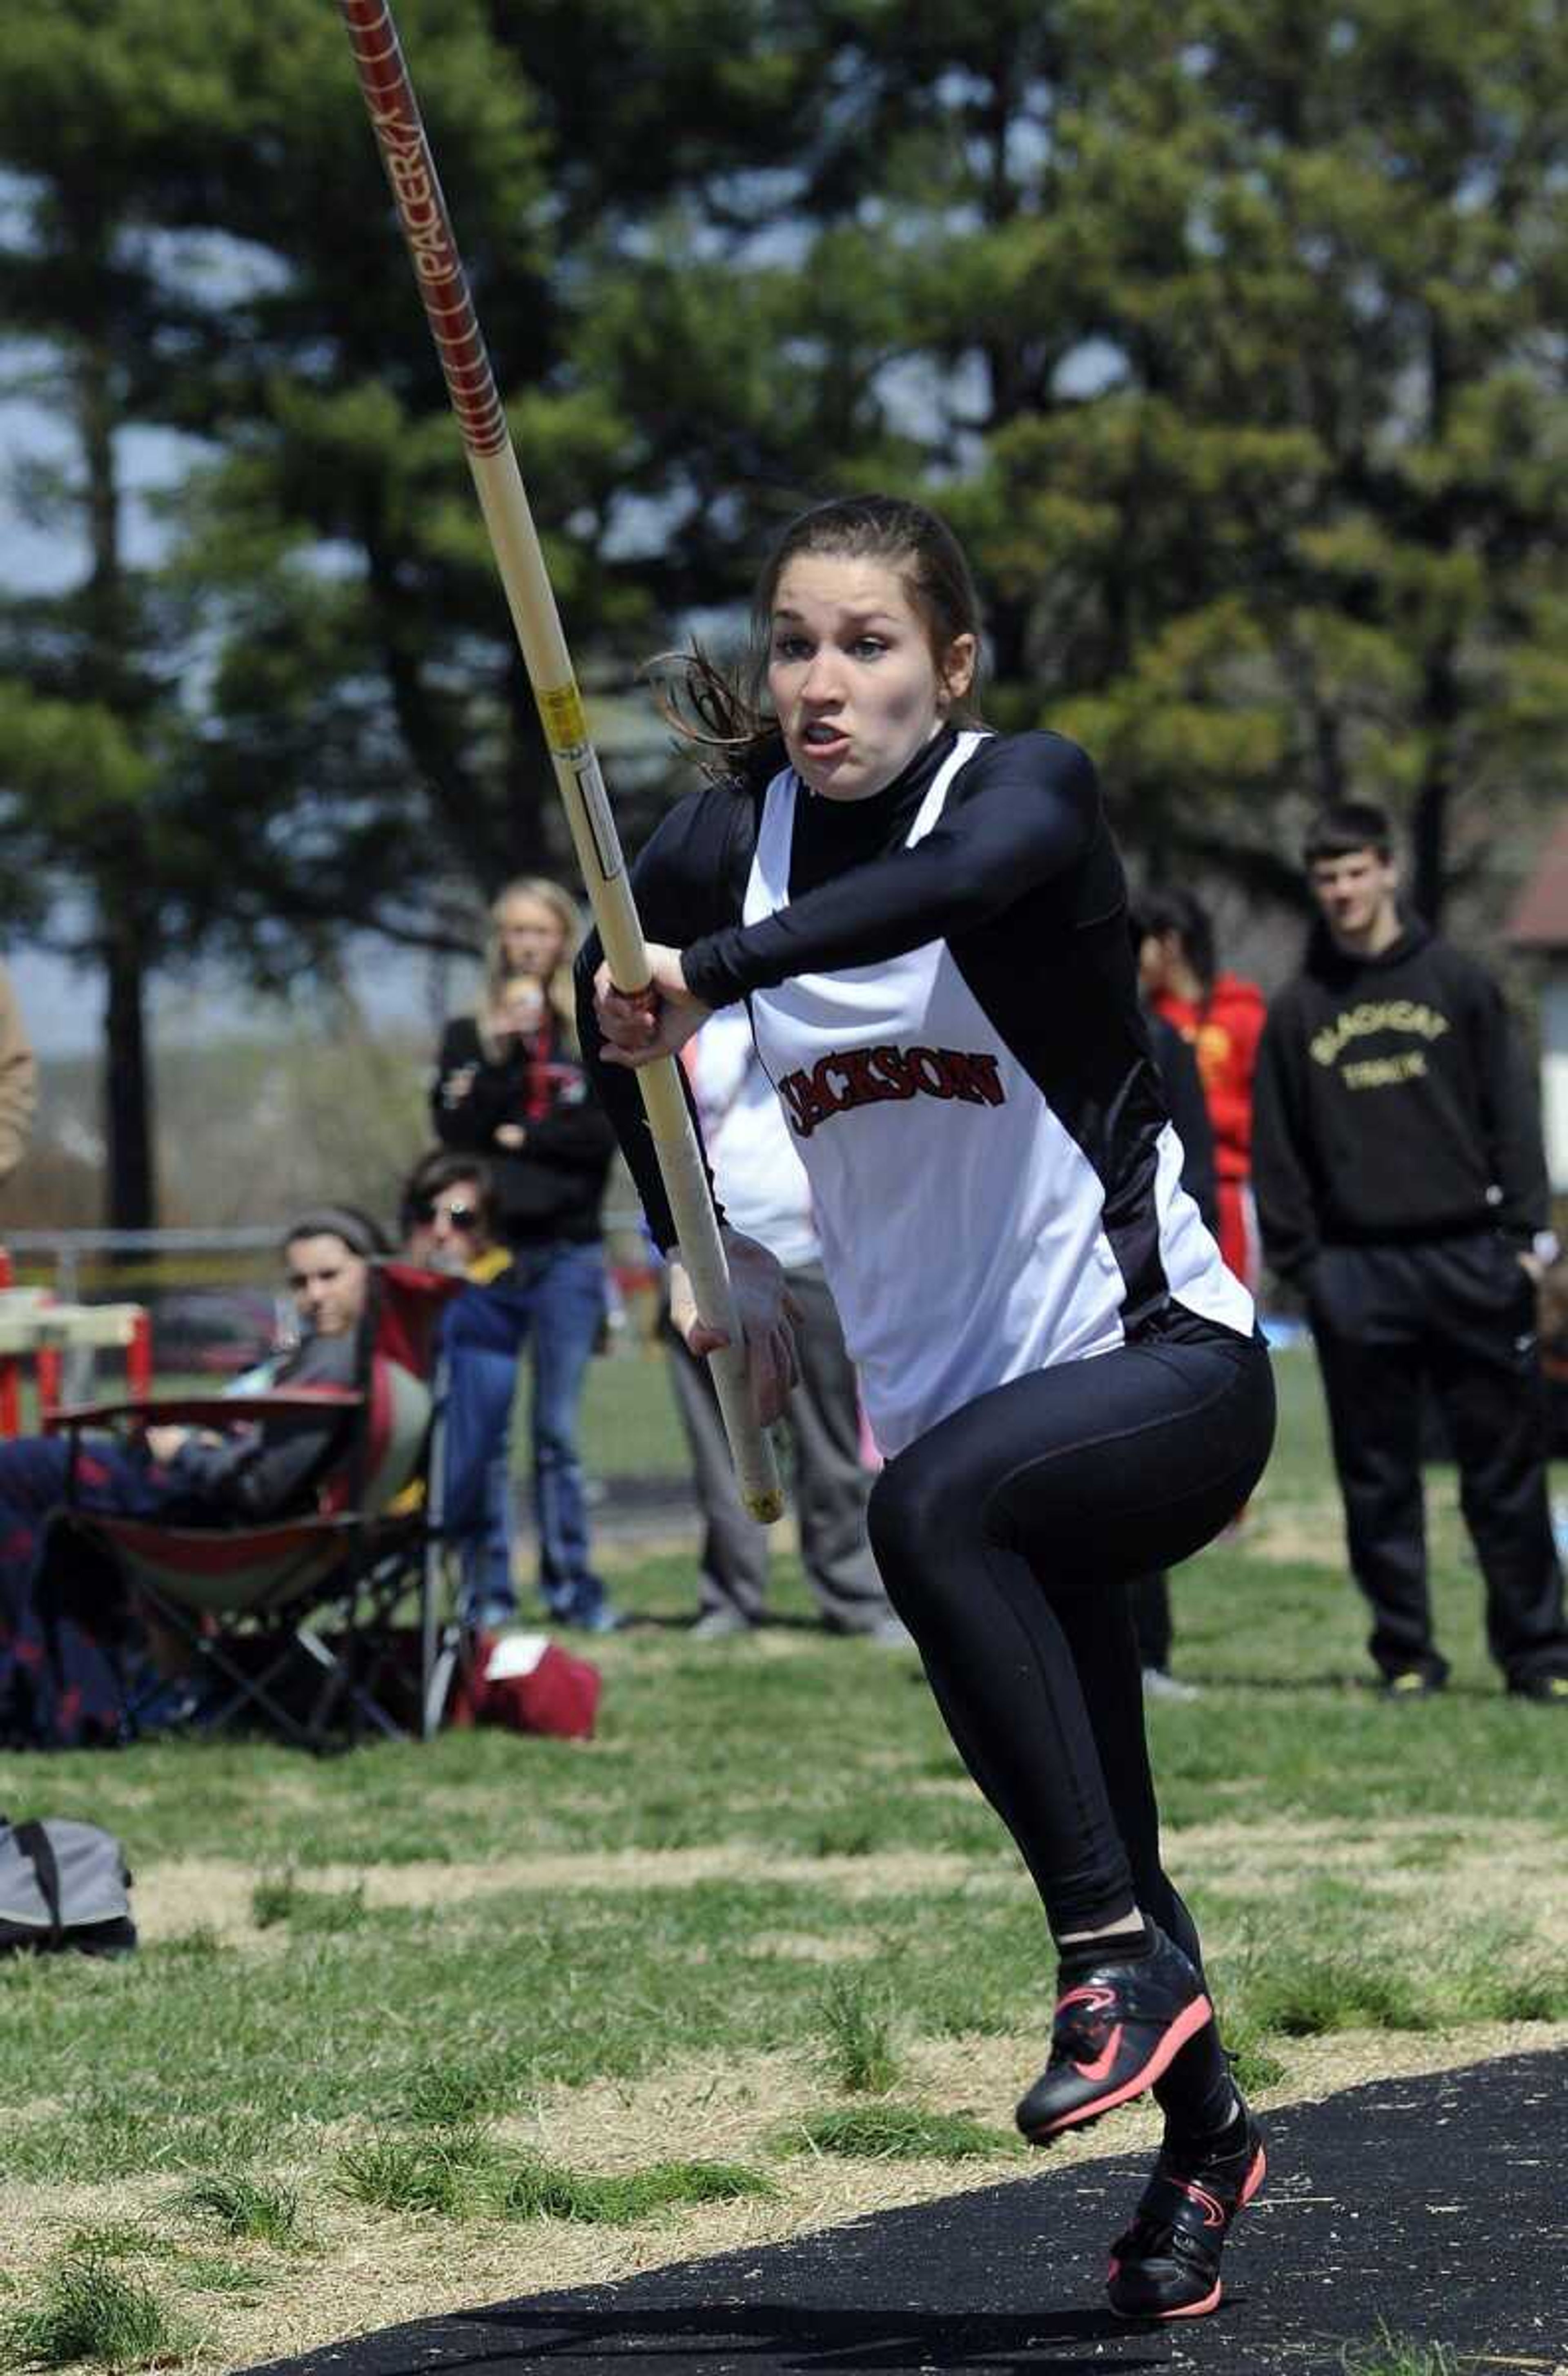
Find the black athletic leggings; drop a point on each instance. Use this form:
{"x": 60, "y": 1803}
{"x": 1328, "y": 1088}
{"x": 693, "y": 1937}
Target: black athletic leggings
{"x": 1006, "y": 1535}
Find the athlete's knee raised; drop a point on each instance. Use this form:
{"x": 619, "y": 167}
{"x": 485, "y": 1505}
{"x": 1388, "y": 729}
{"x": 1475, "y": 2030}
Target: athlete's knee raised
{"x": 913, "y": 1517}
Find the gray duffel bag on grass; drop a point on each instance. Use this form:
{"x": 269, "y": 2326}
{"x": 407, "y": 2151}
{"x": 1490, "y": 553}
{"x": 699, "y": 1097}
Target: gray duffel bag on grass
{"x": 63, "y": 1885}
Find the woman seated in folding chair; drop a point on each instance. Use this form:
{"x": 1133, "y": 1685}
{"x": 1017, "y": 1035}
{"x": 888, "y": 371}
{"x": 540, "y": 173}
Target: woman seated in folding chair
{"x": 247, "y": 1474}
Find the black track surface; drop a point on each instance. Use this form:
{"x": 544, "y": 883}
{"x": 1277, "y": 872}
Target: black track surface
{"x": 1438, "y": 2205}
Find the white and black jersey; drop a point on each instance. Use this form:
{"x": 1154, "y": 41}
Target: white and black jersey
{"x": 943, "y": 989}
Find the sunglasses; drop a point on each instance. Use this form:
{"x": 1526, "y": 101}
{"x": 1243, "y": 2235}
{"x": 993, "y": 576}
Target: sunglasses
{"x": 457, "y": 1217}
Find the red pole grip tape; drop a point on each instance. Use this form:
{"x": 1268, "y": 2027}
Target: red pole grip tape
{"x": 427, "y": 227}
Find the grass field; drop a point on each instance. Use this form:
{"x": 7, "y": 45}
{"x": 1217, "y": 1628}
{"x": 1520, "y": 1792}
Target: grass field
{"x": 425, "y": 2026}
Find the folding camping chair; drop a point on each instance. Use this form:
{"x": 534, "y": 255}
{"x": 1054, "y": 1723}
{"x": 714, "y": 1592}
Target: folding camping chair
{"x": 297, "y": 1616}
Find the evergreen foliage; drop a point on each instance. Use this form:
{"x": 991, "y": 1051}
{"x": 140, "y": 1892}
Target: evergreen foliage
{"x": 1231, "y": 338}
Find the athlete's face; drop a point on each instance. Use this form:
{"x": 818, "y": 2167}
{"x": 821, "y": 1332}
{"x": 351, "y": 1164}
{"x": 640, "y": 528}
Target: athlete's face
{"x": 856, "y": 685}
{"x": 1356, "y": 896}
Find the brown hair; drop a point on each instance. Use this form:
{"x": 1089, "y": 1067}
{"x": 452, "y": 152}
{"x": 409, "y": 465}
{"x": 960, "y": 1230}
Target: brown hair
{"x": 558, "y": 991}
{"x": 1348, "y": 827}
{"x": 1176, "y": 911}
{"x": 441, "y": 1169}
{"x": 726, "y": 716}
{"x": 355, "y": 1229}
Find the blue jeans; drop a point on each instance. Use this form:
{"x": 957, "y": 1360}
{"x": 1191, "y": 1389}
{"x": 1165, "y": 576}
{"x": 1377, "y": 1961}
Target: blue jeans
{"x": 477, "y": 1499}
{"x": 556, "y": 1296}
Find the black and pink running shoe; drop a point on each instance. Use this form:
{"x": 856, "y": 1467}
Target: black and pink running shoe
{"x": 1115, "y": 2030}
{"x": 1166, "y": 2266}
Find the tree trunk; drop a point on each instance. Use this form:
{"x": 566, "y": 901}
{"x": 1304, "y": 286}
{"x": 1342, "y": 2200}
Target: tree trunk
{"x": 1429, "y": 828}
{"x": 1429, "y": 819}
{"x": 131, "y": 1198}
{"x": 130, "y": 1195}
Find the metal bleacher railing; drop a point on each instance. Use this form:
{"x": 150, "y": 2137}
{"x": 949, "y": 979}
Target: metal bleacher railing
{"x": 68, "y": 1296}
{"x": 81, "y": 1259}
{"x": 70, "y": 1253}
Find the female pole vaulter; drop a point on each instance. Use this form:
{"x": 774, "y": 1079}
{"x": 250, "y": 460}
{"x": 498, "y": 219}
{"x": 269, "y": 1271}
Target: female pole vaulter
{"x": 929, "y": 926}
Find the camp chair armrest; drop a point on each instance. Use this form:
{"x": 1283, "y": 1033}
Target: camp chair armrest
{"x": 207, "y": 1411}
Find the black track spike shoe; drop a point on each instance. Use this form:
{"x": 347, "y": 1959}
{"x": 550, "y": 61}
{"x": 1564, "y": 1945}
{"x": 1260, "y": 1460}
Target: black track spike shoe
{"x": 1166, "y": 2266}
{"x": 1116, "y": 2029}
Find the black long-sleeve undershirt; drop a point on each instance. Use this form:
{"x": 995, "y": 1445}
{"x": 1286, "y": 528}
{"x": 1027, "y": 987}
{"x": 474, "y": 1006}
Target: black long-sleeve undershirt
{"x": 1021, "y": 812}
{"x": 1020, "y": 817}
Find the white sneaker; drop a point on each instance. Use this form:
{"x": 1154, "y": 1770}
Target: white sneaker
{"x": 718, "y": 1625}
{"x": 1160, "y": 1685}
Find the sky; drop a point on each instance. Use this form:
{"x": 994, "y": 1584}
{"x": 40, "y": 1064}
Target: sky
{"x": 62, "y": 1002}
{"x": 63, "y": 1005}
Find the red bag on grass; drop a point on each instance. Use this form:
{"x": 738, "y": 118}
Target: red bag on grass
{"x": 530, "y": 1684}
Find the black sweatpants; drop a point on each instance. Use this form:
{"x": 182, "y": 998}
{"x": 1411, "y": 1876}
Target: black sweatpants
{"x": 1459, "y": 1312}
{"x": 1006, "y": 1535}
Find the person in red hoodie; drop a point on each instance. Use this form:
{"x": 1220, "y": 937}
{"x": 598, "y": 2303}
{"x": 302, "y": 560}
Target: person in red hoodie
{"x": 1221, "y": 1017}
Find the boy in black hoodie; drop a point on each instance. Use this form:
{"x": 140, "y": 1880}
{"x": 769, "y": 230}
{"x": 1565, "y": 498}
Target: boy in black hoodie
{"x": 1401, "y": 1183}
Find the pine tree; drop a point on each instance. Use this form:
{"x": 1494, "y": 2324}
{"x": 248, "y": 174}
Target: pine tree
{"x": 109, "y": 117}
{"x": 1305, "y": 536}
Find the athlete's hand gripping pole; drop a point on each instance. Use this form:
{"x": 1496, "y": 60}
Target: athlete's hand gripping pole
{"x": 443, "y": 284}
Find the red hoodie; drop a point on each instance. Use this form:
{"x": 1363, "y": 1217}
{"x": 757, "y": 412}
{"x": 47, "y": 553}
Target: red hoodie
{"x": 1223, "y": 1031}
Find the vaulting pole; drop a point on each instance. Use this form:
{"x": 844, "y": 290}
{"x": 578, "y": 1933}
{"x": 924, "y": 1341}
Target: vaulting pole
{"x": 471, "y": 383}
